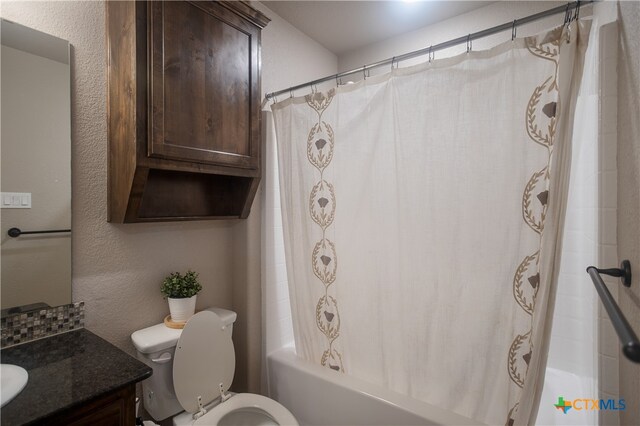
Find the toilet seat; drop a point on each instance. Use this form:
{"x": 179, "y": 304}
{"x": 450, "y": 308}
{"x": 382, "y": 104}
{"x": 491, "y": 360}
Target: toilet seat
{"x": 196, "y": 379}
{"x": 251, "y": 403}
{"x": 199, "y": 382}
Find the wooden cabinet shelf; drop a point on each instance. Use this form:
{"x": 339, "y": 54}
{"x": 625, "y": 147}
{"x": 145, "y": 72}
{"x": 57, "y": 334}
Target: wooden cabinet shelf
{"x": 183, "y": 109}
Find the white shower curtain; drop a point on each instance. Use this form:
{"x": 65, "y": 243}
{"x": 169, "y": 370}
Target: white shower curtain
{"x": 422, "y": 213}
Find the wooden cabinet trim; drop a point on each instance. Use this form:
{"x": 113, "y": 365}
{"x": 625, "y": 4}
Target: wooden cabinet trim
{"x": 243, "y": 9}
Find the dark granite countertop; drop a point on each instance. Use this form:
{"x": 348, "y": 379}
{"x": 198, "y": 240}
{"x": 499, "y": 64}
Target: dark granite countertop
{"x": 66, "y": 370}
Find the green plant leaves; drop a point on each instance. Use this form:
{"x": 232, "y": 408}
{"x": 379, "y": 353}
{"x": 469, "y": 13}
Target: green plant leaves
{"x": 178, "y": 286}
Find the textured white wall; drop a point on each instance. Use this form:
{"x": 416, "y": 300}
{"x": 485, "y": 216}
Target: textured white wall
{"x": 629, "y": 191}
{"x": 289, "y": 57}
{"x": 117, "y": 269}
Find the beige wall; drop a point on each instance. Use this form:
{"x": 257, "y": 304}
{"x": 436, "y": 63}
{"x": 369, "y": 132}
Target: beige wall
{"x": 288, "y": 58}
{"x": 629, "y": 191}
{"x": 36, "y": 158}
{"x": 476, "y": 20}
{"x": 117, "y": 269}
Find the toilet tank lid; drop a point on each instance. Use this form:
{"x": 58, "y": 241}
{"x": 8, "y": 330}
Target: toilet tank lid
{"x": 155, "y": 338}
{"x": 160, "y": 337}
{"x": 226, "y": 316}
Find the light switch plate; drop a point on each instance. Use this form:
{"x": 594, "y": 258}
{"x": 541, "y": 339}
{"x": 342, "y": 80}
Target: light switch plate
{"x": 15, "y": 200}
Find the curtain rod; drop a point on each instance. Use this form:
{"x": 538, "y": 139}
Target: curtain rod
{"x": 567, "y": 9}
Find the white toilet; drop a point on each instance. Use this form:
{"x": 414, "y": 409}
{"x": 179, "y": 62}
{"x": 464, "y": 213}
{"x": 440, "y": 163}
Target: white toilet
{"x": 192, "y": 371}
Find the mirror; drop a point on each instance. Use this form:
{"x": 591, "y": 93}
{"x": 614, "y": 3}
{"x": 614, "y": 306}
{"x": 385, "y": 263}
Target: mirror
{"x": 35, "y": 169}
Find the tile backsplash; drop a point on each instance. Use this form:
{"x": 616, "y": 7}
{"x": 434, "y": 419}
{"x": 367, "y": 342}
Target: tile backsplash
{"x": 24, "y": 327}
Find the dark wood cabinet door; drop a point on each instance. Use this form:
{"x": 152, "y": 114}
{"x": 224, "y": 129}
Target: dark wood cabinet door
{"x": 114, "y": 409}
{"x": 204, "y": 87}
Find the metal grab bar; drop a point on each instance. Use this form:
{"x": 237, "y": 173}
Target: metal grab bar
{"x": 629, "y": 340}
{"x": 16, "y": 232}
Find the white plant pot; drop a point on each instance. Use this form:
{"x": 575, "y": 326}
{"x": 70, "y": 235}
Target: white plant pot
{"x": 182, "y": 309}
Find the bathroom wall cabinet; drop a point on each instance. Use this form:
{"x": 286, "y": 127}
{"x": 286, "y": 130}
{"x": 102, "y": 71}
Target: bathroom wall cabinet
{"x": 183, "y": 109}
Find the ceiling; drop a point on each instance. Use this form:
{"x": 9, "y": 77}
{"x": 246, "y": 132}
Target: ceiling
{"x": 342, "y": 26}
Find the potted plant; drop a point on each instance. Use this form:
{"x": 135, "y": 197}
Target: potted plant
{"x": 181, "y": 292}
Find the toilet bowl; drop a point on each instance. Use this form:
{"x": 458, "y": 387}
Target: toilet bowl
{"x": 193, "y": 370}
{"x": 242, "y": 409}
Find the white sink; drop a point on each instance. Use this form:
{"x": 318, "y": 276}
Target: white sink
{"x": 12, "y": 380}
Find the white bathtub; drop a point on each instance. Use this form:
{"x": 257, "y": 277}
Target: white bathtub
{"x": 318, "y": 396}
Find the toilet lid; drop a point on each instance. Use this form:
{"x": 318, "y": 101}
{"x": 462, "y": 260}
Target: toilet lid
{"x": 204, "y": 359}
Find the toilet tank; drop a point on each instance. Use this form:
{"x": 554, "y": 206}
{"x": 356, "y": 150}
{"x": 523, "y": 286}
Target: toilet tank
{"x": 155, "y": 347}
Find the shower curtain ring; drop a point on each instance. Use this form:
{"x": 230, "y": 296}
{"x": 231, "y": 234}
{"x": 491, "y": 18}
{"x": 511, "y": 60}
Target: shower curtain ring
{"x": 514, "y": 29}
{"x": 577, "y": 14}
{"x": 364, "y": 72}
{"x": 567, "y": 14}
{"x": 469, "y": 43}
{"x": 432, "y": 55}
{"x": 290, "y": 93}
{"x": 392, "y": 61}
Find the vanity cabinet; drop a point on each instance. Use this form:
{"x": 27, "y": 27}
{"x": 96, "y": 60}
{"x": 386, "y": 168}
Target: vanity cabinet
{"x": 75, "y": 378}
{"x": 183, "y": 109}
{"x": 114, "y": 409}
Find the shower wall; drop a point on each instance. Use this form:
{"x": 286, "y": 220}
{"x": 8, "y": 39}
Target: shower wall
{"x": 608, "y": 358}
{"x": 628, "y": 132}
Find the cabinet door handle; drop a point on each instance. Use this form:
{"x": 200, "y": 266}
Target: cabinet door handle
{"x": 164, "y": 358}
